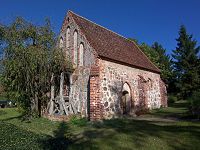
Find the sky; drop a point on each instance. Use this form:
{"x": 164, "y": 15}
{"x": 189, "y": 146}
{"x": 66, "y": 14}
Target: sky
{"x": 145, "y": 20}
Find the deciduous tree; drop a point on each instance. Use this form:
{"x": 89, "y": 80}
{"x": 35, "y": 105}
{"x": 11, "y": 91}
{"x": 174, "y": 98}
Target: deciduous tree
{"x": 30, "y": 59}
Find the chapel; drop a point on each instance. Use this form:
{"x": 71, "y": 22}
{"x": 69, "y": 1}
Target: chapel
{"x": 111, "y": 76}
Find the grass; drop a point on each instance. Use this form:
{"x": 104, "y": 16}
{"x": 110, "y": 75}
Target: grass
{"x": 176, "y": 110}
{"x": 161, "y": 129}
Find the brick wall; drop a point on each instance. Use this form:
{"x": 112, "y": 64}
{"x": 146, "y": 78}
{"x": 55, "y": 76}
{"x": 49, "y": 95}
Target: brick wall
{"x": 96, "y": 111}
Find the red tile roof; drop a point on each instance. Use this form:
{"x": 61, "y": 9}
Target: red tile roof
{"x": 112, "y": 46}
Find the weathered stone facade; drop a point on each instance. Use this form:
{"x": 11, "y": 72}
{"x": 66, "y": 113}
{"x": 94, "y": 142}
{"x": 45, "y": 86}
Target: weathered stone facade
{"x": 103, "y": 88}
{"x": 144, "y": 88}
{"x": 81, "y": 75}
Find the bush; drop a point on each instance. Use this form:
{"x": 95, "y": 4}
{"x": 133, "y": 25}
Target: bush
{"x": 172, "y": 99}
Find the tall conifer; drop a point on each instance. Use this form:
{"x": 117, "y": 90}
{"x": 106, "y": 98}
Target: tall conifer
{"x": 186, "y": 63}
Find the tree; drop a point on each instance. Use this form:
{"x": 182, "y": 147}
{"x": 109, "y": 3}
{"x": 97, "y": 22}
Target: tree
{"x": 30, "y": 59}
{"x": 1, "y": 39}
{"x": 163, "y": 62}
{"x": 186, "y": 64}
{"x": 157, "y": 54}
{"x": 1, "y": 30}
{"x": 151, "y": 53}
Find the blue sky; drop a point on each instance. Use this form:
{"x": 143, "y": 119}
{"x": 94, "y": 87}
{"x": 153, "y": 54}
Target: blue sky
{"x": 144, "y": 20}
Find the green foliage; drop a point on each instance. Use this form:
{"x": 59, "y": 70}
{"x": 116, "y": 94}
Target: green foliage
{"x": 14, "y": 137}
{"x": 163, "y": 62}
{"x": 31, "y": 57}
{"x": 1, "y": 33}
{"x": 195, "y": 103}
{"x": 157, "y": 54}
{"x": 186, "y": 64}
{"x": 172, "y": 99}
{"x": 151, "y": 53}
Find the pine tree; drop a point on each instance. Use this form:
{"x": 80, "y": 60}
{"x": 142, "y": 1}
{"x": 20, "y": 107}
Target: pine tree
{"x": 186, "y": 64}
{"x": 1, "y": 32}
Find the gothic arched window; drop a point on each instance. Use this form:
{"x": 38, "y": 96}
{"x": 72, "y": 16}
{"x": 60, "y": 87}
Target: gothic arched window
{"x": 75, "y": 47}
{"x": 81, "y": 47}
{"x": 67, "y": 37}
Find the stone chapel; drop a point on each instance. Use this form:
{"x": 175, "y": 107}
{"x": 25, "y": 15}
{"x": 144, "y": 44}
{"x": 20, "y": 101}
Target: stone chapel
{"x": 112, "y": 77}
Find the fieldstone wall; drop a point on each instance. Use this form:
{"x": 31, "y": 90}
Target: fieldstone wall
{"x": 144, "y": 85}
{"x": 79, "y": 88}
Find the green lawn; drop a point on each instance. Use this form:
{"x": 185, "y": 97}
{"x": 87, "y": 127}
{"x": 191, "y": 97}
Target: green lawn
{"x": 160, "y": 129}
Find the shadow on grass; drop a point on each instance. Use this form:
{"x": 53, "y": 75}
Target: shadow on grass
{"x": 139, "y": 131}
{"x": 172, "y": 115}
{"x": 60, "y": 140}
{"x": 179, "y": 104}
{"x": 175, "y": 111}
{"x": 11, "y": 118}
{"x": 109, "y": 134}
{"x": 134, "y": 134}
{"x": 13, "y": 137}
{"x": 2, "y": 112}
{"x": 64, "y": 139}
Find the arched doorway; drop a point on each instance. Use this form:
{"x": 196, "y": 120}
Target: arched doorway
{"x": 126, "y": 99}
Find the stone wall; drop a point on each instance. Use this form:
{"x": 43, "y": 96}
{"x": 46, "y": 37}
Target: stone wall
{"x": 144, "y": 85}
{"x": 88, "y": 52}
{"x": 79, "y": 90}
{"x": 81, "y": 75}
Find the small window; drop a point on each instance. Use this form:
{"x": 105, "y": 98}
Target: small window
{"x": 81, "y": 54}
{"x": 61, "y": 42}
{"x": 75, "y": 48}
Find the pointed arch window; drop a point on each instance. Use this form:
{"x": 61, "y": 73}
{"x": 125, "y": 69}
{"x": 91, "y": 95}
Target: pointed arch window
{"x": 61, "y": 42}
{"x": 81, "y": 47}
{"x": 68, "y": 37}
{"x": 75, "y": 47}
